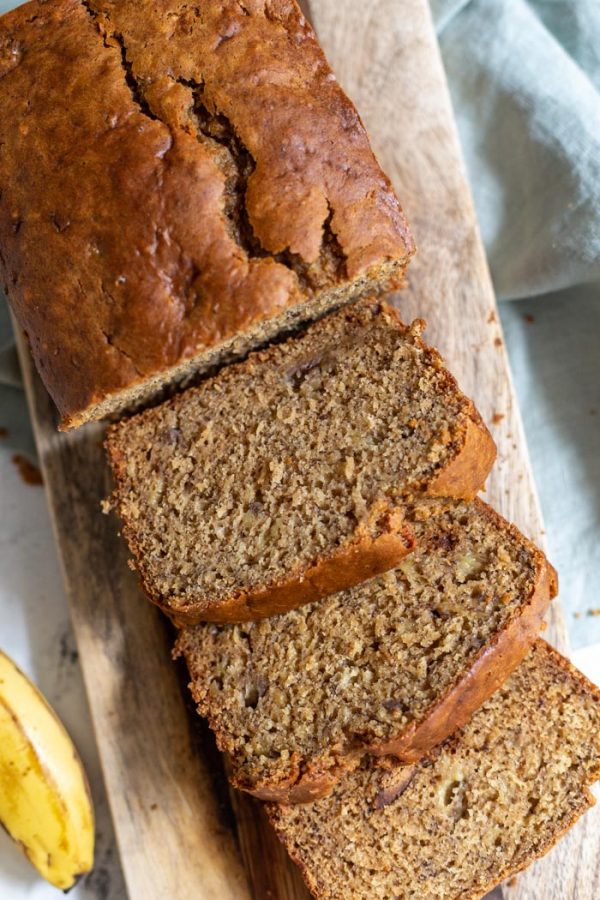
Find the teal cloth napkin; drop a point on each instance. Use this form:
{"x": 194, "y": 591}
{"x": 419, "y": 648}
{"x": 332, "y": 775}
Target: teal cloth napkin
{"x": 525, "y": 83}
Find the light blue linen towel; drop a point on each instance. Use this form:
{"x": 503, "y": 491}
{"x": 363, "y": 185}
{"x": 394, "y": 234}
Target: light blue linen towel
{"x": 525, "y": 83}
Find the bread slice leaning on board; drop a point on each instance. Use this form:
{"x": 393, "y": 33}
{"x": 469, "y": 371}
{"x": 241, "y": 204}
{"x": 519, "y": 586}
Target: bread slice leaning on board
{"x": 284, "y": 478}
{"x": 392, "y": 666}
{"x": 481, "y": 807}
{"x": 188, "y": 185}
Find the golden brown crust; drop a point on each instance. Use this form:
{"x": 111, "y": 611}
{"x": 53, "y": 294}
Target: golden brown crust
{"x": 465, "y": 475}
{"x": 310, "y": 786}
{"x": 123, "y": 128}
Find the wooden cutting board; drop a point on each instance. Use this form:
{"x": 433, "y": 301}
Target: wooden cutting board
{"x": 179, "y": 834}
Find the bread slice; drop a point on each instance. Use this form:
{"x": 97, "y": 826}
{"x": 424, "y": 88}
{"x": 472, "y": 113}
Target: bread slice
{"x": 391, "y": 666}
{"x": 282, "y": 479}
{"x": 485, "y": 805}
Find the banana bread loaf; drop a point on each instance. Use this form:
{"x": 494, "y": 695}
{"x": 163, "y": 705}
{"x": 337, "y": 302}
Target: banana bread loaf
{"x": 179, "y": 182}
{"x": 392, "y": 666}
{"x": 481, "y": 808}
{"x": 282, "y": 479}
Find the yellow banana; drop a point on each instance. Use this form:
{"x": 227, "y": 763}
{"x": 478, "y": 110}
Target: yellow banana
{"x": 45, "y": 802}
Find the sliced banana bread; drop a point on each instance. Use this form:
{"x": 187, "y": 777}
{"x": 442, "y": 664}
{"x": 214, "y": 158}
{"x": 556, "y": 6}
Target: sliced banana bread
{"x": 282, "y": 479}
{"x": 483, "y": 806}
{"x": 391, "y": 666}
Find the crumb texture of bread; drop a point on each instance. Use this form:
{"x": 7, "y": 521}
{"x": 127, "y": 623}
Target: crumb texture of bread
{"x": 297, "y": 699}
{"x": 483, "y": 807}
{"x": 234, "y": 492}
{"x": 179, "y": 184}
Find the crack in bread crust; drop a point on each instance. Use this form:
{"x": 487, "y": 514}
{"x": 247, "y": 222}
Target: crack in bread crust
{"x": 207, "y": 249}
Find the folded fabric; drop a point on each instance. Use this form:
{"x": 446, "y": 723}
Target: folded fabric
{"x": 525, "y": 82}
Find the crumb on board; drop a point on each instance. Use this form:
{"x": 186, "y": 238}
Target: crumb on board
{"x": 497, "y": 418}
{"x": 498, "y": 342}
{"x": 30, "y": 474}
{"x": 529, "y": 318}
{"x": 492, "y": 317}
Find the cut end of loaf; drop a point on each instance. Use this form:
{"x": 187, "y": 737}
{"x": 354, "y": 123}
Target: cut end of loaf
{"x": 146, "y": 390}
{"x": 482, "y": 807}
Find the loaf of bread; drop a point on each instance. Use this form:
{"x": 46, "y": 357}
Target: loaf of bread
{"x": 391, "y": 666}
{"x": 179, "y": 182}
{"x": 481, "y": 808}
{"x": 282, "y": 479}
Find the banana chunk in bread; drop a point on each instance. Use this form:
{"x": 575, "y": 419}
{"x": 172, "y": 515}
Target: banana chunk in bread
{"x": 392, "y": 666}
{"x": 180, "y": 182}
{"x": 483, "y": 806}
{"x": 282, "y": 479}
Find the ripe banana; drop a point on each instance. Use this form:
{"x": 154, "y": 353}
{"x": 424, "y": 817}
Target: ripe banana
{"x": 45, "y": 802}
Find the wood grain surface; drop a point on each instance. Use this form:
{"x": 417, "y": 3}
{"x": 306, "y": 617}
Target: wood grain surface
{"x": 177, "y": 834}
